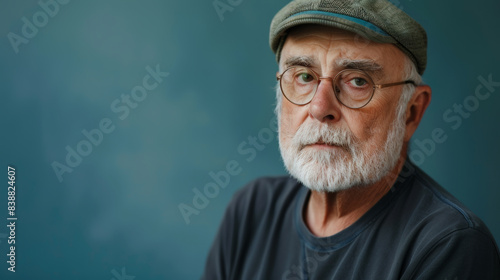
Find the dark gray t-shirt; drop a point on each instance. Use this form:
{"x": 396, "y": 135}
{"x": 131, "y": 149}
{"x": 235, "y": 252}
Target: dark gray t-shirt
{"x": 416, "y": 231}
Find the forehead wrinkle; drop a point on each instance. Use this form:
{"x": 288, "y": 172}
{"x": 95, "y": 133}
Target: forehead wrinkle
{"x": 366, "y": 64}
{"x": 312, "y": 43}
{"x": 329, "y": 52}
{"x": 300, "y": 60}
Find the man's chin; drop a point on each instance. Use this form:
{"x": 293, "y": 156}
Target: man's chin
{"x": 327, "y": 179}
{"x": 334, "y": 177}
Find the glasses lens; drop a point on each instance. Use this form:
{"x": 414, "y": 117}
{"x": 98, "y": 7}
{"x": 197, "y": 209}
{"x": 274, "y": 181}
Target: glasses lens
{"x": 298, "y": 84}
{"x": 353, "y": 88}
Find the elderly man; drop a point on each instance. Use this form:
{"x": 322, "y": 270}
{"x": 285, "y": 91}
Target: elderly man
{"x": 354, "y": 207}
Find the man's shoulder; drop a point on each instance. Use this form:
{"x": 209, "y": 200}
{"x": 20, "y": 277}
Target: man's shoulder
{"x": 437, "y": 215}
{"x": 438, "y": 232}
{"x": 443, "y": 203}
{"x": 265, "y": 195}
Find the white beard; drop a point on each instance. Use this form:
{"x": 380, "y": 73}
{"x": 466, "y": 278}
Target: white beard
{"x": 332, "y": 170}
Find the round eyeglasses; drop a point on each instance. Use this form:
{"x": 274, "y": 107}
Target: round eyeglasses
{"x": 353, "y": 88}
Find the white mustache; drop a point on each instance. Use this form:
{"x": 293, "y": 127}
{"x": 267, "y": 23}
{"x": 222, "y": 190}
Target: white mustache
{"x": 314, "y": 132}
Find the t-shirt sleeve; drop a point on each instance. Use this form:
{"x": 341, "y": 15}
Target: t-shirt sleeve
{"x": 218, "y": 261}
{"x": 463, "y": 254}
{"x": 226, "y": 246}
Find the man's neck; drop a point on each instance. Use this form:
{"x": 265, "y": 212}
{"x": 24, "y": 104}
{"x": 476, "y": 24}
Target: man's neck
{"x": 328, "y": 213}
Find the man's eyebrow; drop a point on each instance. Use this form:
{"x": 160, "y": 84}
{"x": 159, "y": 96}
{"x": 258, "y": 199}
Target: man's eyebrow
{"x": 367, "y": 65}
{"x": 299, "y": 61}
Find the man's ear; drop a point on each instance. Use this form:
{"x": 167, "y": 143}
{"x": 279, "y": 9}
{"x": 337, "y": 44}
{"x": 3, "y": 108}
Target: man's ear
{"x": 416, "y": 108}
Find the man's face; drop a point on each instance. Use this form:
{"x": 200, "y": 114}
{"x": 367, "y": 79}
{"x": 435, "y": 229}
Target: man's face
{"x": 324, "y": 144}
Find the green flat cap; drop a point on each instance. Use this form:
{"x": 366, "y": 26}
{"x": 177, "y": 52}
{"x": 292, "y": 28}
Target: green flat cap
{"x": 377, "y": 20}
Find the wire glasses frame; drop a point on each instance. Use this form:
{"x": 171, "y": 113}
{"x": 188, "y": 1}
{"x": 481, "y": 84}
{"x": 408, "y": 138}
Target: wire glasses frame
{"x": 353, "y": 88}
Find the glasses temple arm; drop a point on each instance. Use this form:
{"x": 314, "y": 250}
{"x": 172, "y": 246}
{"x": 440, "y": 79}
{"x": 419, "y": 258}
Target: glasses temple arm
{"x": 395, "y": 84}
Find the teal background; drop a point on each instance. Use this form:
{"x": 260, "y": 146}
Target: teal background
{"x": 119, "y": 207}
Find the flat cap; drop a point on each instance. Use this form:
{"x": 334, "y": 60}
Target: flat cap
{"x": 377, "y": 20}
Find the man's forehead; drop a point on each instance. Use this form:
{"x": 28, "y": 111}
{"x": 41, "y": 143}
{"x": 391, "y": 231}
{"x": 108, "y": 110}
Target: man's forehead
{"x": 367, "y": 64}
{"x": 348, "y": 49}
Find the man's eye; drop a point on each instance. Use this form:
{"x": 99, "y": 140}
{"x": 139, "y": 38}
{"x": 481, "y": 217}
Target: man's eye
{"x": 358, "y": 82}
{"x": 305, "y": 78}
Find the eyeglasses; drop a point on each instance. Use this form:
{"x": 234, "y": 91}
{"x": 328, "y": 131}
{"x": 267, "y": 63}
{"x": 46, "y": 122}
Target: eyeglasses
{"x": 353, "y": 88}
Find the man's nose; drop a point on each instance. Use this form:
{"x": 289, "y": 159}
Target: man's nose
{"x": 324, "y": 106}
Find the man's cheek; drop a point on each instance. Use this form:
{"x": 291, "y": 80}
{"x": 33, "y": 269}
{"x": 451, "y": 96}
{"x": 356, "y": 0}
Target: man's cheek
{"x": 292, "y": 118}
{"x": 285, "y": 121}
{"x": 288, "y": 130}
